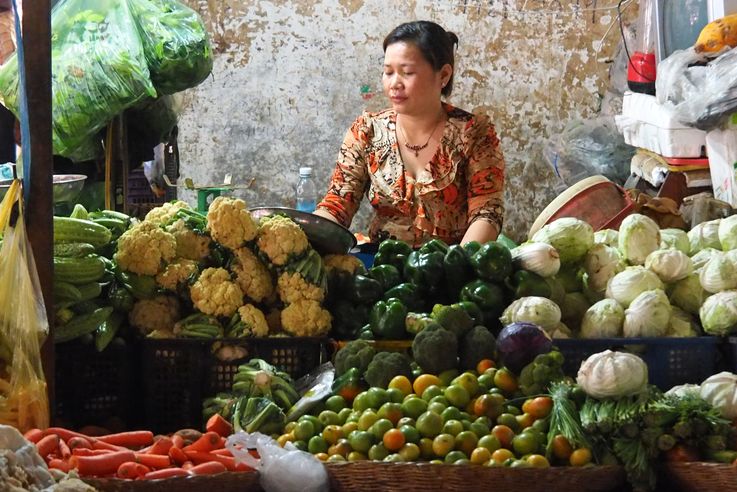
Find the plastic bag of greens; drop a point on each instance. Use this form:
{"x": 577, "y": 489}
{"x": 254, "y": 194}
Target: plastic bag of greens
{"x": 23, "y": 323}
{"x": 98, "y": 70}
{"x": 175, "y": 44}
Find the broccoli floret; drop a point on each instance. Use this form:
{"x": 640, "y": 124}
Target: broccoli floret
{"x": 435, "y": 349}
{"x": 453, "y": 318}
{"x": 476, "y": 345}
{"x": 357, "y": 353}
{"x": 385, "y": 366}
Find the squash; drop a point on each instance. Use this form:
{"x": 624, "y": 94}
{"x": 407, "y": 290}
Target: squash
{"x": 717, "y": 35}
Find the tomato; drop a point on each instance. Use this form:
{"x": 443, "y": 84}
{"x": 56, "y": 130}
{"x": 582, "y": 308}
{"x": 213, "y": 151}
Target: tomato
{"x": 395, "y": 395}
{"x": 480, "y": 456}
{"x": 414, "y": 407}
{"x": 451, "y": 413}
{"x": 378, "y": 452}
{"x": 456, "y": 457}
{"x": 505, "y": 380}
{"x": 466, "y": 441}
{"x": 490, "y": 442}
{"x": 424, "y": 381}
{"x": 322, "y": 456}
{"x": 411, "y": 435}
{"x": 488, "y": 406}
{"x": 391, "y": 412}
{"x": 504, "y": 434}
{"x": 453, "y": 427}
{"x": 426, "y": 448}
{"x": 540, "y": 407}
{"x": 469, "y": 382}
{"x": 304, "y": 430}
{"x": 502, "y": 455}
{"x": 525, "y": 420}
{"x": 332, "y": 433}
{"x": 402, "y": 383}
{"x": 443, "y": 444}
{"x": 342, "y": 447}
{"x": 381, "y": 427}
{"x": 367, "y": 419}
{"x": 406, "y": 421}
{"x": 361, "y": 441}
{"x": 429, "y": 424}
{"x": 431, "y": 392}
{"x": 393, "y": 440}
{"x": 580, "y": 457}
{"x": 562, "y": 449}
{"x": 317, "y": 445}
{"x": 356, "y": 456}
{"x": 349, "y": 427}
{"x": 509, "y": 420}
{"x": 525, "y": 443}
{"x": 336, "y": 403}
{"x": 484, "y": 364}
{"x": 410, "y": 452}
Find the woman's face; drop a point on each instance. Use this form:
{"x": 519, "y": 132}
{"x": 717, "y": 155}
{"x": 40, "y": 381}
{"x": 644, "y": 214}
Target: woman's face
{"x": 410, "y": 82}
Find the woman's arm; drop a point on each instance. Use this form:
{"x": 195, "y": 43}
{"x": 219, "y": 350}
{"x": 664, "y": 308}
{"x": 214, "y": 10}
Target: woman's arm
{"x": 481, "y": 231}
{"x": 350, "y": 177}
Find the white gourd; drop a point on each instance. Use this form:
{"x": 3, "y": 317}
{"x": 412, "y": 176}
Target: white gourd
{"x": 610, "y": 374}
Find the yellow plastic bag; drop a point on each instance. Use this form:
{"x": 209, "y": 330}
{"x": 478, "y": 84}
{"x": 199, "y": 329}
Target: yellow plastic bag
{"x": 24, "y": 401}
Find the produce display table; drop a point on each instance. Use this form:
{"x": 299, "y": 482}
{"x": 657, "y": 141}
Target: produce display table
{"x": 224, "y": 482}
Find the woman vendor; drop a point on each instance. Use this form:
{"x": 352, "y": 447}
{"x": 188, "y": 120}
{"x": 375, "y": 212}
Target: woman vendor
{"x": 430, "y": 170}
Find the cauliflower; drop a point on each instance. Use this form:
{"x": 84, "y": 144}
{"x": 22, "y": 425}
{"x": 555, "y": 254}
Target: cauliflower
{"x": 145, "y": 249}
{"x": 251, "y": 322}
{"x": 156, "y": 314}
{"x": 305, "y": 318}
{"x": 292, "y": 287}
{"x": 346, "y": 263}
{"x": 281, "y": 239}
{"x": 230, "y": 223}
{"x": 252, "y": 275}
{"x": 176, "y": 273}
{"x": 165, "y": 213}
{"x": 190, "y": 244}
{"x": 215, "y": 293}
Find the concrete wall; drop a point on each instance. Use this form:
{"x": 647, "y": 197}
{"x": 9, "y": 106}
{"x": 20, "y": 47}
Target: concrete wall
{"x": 290, "y": 76}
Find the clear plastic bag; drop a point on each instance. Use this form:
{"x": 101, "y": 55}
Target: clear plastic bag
{"x": 175, "y": 43}
{"x": 589, "y": 148}
{"x": 702, "y": 92}
{"x": 281, "y": 469}
{"x": 98, "y": 70}
{"x": 23, "y": 324}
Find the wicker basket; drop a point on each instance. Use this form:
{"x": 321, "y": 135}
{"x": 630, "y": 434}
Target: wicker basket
{"x": 421, "y": 477}
{"x": 223, "y": 482}
{"x": 701, "y": 477}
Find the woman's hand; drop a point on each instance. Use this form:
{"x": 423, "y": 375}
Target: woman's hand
{"x": 481, "y": 231}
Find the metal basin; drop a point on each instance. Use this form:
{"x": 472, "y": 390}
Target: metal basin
{"x": 326, "y": 236}
{"x": 66, "y": 187}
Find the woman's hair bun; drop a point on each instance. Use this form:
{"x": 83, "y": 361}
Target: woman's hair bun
{"x": 452, "y": 37}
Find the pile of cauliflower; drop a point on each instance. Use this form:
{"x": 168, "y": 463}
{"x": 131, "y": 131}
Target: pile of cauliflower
{"x": 252, "y": 278}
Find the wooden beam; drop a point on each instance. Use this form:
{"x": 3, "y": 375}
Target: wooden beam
{"x": 40, "y": 210}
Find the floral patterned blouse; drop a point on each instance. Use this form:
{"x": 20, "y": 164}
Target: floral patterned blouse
{"x": 462, "y": 183}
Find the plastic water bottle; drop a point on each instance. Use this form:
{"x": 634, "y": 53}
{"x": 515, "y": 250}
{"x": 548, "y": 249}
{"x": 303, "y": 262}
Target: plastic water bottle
{"x": 306, "y": 191}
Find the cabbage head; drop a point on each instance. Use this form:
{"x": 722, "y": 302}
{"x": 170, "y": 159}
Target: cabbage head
{"x": 681, "y": 324}
{"x": 718, "y": 274}
{"x": 676, "y": 239}
{"x": 533, "y": 309}
{"x": 669, "y": 265}
{"x": 606, "y": 236}
{"x": 727, "y": 232}
{"x": 639, "y": 236}
{"x": 705, "y": 235}
{"x": 648, "y": 315}
{"x": 630, "y": 283}
{"x": 603, "y": 320}
{"x": 601, "y": 263}
{"x": 718, "y": 315}
{"x": 688, "y": 294}
{"x": 573, "y": 308}
{"x": 571, "y": 237}
{"x": 702, "y": 257}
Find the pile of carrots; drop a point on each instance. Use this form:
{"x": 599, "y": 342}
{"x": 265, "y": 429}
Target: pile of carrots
{"x": 139, "y": 455}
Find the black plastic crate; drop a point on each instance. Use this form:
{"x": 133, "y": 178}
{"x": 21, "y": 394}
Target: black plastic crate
{"x": 180, "y": 373}
{"x": 670, "y": 361}
{"x": 96, "y": 388}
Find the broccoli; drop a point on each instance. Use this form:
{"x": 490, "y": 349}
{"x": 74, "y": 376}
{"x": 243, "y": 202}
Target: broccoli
{"x": 435, "y": 349}
{"x": 357, "y": 353}
{"x": 385, "y": 366}
{"x": 453, "y": 318}
{"x": 476, "y": 345}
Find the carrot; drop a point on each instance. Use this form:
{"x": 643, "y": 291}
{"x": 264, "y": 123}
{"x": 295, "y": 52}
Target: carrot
{"x": 211, "y": 468}
{"x": 103, "y": 464}
{"x": 199, "y": 458}
{"x": 79, "y": 442}
{"x": 127, "y": 470}
{"x": 63, "y": 433}
{"x": 153, "y": 460}
{"x": 187, "y": 465}
{"x": 161, "y": 446}
{"x": 177, "y": 441}
{"x": 97, "y": 444}
{"x": 218, "y": 424}
{"x": 47, "y": 445}
{"x": 206, "y": 443}
{"x": 57, "y": 464}
{"x": 166, "y": 473}
{"x": 221, "y": 452}
{"x": 90, "y": 452}
{"x": 34, "y": 435}
{"x": 177, "y": 455}
{"x": 130, "y": 439}
{"x": 64, "y": 449}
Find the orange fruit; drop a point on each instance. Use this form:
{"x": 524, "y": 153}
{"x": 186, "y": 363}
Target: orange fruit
{"x": 505, "y": 435}
{"x": 402, "y": 383}
{"x": 393, "y": 440}
{"x": 580, "y": 457}
{"x": 484, "y": 364}
{"x": 424, "y": 381}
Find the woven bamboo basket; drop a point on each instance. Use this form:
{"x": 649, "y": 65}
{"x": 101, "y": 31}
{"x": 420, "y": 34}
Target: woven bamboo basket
{"x": 701, "y": 477}
{"x": 421, "y": 477}
{"x": 223, "y": 482}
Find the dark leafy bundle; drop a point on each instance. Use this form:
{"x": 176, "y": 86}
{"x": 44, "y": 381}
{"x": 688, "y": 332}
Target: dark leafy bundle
{"x": 175, "y": 44}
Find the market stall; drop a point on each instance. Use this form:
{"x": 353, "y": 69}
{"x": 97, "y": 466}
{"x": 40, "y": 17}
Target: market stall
{"x": 262, "y": 348}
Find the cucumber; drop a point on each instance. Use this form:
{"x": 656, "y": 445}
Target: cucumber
{"x": 81, "y": 325}
{"x": 89, "y": 291}
{"x": 116, "y": 226}
{"x": 79, "y": 212}
{"x": 73, "y": 250}
{"x": 79, "y": 270}
{"x": 66, "y": 292}
{"x": 86, "y": 307}
{"x": 107, "y": 331}
{"x": 70, "y": 230}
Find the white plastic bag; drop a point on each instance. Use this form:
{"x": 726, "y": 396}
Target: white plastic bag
{"x": 281, "y": 469}
{"x": 26, "y": 457}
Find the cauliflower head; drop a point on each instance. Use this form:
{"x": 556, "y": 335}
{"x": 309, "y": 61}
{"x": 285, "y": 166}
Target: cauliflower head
{"x": 292, "y": 287}
{"x": 214, "y": 293}
{"x": 145, "y": 249}
{"x": 165, "y": 213}
{"x": 306, "y": 318}
{"x": 156, "y": 314}
{"x": 190, "y": 245}
{"x": 252, "y": 275}
{"x": 176, "y": 274}
{"x": 254, "y": 321}
{"x": 230, "y": 223}
{"x": 281, "y": 239}
{"x": 346, "y": 263}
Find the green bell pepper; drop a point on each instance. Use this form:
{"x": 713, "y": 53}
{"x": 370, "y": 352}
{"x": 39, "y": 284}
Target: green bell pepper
{"x": 493, "y": 262}
{"x": 348, "y": 319}
{"x": 141, "y": 286}
{"x": 471, "y": 248}
{"x": 457, "y": 270}
{"x": 425, "y": 270}
{"x": 366, "y": 333}
{"x": 366, "y": 290}
{"x": 120, "y": 298}
{"x": 487, "y": 296}
{"x": 506, "y": 241}
{"x": 434, "y": 245}
{"x": 408, "y": 293}
{"x": 524, "y": 283}
{"x": 473, "y": 311}
{"x": 392, "y": 252}
{"x": 387, "y": 319}
{"x": 387, "y": 275}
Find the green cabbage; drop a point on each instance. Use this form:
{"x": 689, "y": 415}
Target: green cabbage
{"x": 648, "y": 315}
{"x": 675, "y": 238}
{"x": 705, "y": 235}
{"x": 538, "y": 310}
{"x": 639, "y": 236}
{"x": 718, "y": 315}
{"x": 688, "y": 294}
{"x": 603, "y": 320}
{"x": 727, "y": 232}
{"x": 630, "y": 283}
{"x": 571, "y": 237}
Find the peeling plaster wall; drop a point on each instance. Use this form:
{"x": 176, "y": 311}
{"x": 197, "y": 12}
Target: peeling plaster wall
{"x": 290, "y": 77}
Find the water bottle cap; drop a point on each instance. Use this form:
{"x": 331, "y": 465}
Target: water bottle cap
{"x": 305, "y": 171}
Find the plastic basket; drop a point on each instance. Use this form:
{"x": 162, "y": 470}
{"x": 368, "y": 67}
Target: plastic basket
{"x": 670, "y": 361}
{"x": 180, "y": 373}
{"x": 96, "y": 388}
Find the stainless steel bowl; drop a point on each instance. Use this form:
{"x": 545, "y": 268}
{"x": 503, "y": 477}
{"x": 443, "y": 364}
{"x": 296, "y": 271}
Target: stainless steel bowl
{"x": 326, "y": 236}
{"x": 66, "y": 187}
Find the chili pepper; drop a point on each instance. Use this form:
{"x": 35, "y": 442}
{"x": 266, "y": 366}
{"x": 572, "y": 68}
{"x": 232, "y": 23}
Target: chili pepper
{"x": 387, "y": 319}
